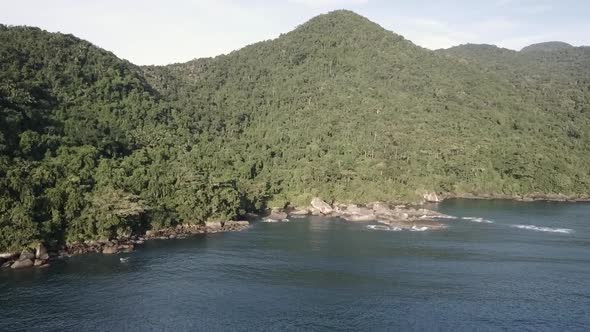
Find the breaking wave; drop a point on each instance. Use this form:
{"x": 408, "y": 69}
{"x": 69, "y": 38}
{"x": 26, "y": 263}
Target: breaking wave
{"x": 383, "y": 228}
{"x": 274, "y": 220}
{"x": 440, "y": 217}
{"x": 544, "y": 229}
{"x": 478, "y": 219}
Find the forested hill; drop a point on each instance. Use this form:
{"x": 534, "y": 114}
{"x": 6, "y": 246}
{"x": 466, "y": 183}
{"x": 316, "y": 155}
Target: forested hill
{"x": 92, "y": 146}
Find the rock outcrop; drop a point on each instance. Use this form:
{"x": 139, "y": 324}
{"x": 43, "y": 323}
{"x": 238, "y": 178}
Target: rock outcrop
{"x": 320, "y": 206}
{"x": 110, "y": 250}
{"x": 213, "y": 224}
{"x": 299, "y": 212}
{"x": 399, "y": 217}
{"x": 431, "y": 197}
{"x": 27, "y": 254}
{"x": 277, "y": 215}
{"x": 22, "y": 263}
{"x": 41, "y": 252}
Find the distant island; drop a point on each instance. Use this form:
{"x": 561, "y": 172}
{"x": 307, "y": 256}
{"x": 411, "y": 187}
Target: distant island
{"x": 94, "y": 148}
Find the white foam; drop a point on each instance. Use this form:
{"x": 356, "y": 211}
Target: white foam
{"x": 445, "y": 217}
{"x": 269, "y": 220}
{"x": 419, "y": 229}
{"x": 478, "y": 219}
{"x": 383, "y": 228}
{"x": 544, "y": 229}
{"x": 437, "y": 217}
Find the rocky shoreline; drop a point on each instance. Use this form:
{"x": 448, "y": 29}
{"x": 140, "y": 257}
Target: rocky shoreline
{"x": 533, "y": 197}
{"x": 40, "y": 257}
{"x": 398, "y": 217}
{"x": 389, "y": 216}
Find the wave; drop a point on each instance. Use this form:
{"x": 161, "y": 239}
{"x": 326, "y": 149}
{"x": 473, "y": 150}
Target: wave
{"x": 438, "y": 217}
{"x": 274, "y": 220}
{"x": 383, "y": 228}
{"x": 544, "y": 229}
{"x": 419, "y": 229}
{"x": 478, "y": 219}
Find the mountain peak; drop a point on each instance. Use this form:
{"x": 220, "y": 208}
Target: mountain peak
{"x": 341, "y": 21}
{"x": 547, "y": 47}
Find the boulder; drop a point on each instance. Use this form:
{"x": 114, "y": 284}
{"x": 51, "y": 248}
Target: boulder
{"x": 315, "y": 212}
{"x": 41, "y": 252}
{"x": 125, "y": 247}
{"x": 39, "y": 262}
{"x": 240, "y": 223}
{"x": 277, "y": 215}
{"x": 354, "y": 212}
{"x": 27, "y": 254}
{"x": 213, "y": 224}
{"x": 299, "y": 212}
{"x": 321, "y": 206}
{"x": 109, "y": 250}
{"x": 5, "y": 265}
{"x": 22, "y": 263}
{"x": 382, "y": 209}
{"x": 360, "y": 217}
{"x": 431, "y": 197}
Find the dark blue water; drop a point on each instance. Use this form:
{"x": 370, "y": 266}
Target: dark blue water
{"x": 319, "y": 274}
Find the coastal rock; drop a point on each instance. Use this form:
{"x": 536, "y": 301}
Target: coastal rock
{"x": 22, "y": 263}
{"x": 39, "y": 262}
{"x": 125, "y": 248}
{"x": 27, "y": 254}
{"x": 41, "y": 252}
{"x": 431, "y": 197}
{"x": 277, "y": 215}
{"x": 237, "y": 223}
{"x": 366, "y": 217}
{"x": 299, "y": 212}
{"x": 321, "y": 206}
{"x": 110, "y": 250}
{"x": 213, "y": 224}
{"x": 353, "y": 212}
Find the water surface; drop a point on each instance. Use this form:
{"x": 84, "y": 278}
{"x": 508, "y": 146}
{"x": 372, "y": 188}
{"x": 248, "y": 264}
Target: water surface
{"x": 501, "y": 266}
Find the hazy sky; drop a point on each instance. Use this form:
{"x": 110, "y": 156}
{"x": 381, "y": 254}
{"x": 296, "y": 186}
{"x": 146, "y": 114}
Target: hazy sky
{"x": 161, "y": 32}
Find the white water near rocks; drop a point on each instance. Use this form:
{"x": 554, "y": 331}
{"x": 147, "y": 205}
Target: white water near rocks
{"x": 544, "y": 229}
{"x": 478, "y": 219}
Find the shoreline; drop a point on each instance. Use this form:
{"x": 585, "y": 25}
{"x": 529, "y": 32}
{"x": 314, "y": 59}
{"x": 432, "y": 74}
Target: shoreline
{"x": 40, "y": 257}
{"x": 535, "y": 197}
{"x": 399, "y": 216}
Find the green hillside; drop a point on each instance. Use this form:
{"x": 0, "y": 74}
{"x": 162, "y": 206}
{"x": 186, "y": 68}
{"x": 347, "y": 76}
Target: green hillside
{"x": 92, "y": 146}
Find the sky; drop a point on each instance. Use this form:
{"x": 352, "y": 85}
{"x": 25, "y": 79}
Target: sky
{"x": 168, "y": 31}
